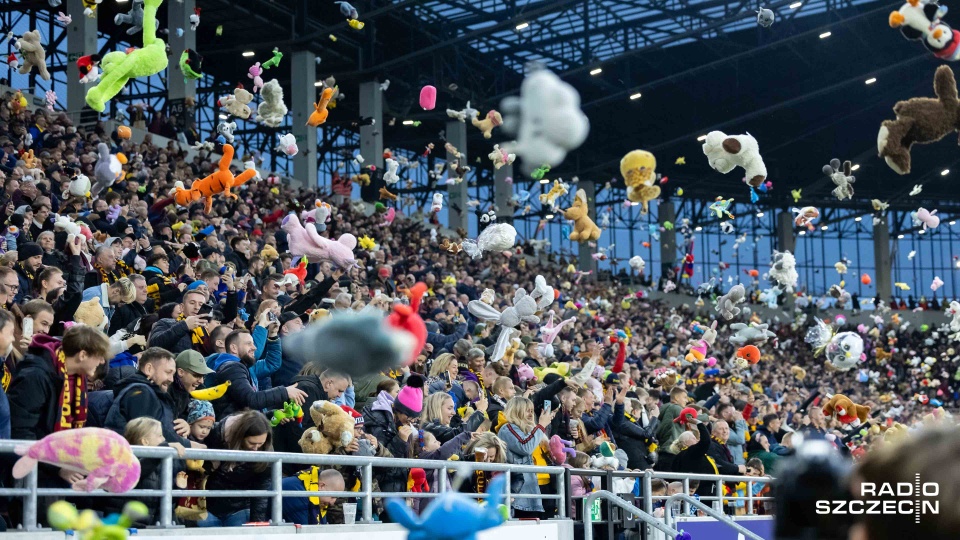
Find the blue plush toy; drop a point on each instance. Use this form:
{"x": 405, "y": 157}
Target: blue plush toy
{"x": 452, "y": 515}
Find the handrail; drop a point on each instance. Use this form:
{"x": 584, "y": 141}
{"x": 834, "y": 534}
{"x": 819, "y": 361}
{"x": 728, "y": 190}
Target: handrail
{"x": 629, "y": 508}
{"x": 668, "y": 515}
{"x": 30, "y": 492}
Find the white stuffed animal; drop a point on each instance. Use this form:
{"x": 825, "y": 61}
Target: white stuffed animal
{"x": 921, "y": 20}
{"x": 547, "y": 120}
{"x": 271, "y": 112}
{"x": 248, "y": 165}
{"x": 524, "y": 309}
{"x": 78, "y": 187}
{"x": 237, "y": 103}
{"x": 288, "y": 144}
{"x": 390, "y": 176}
{"x": 954, "y": 313}
{"x": 437, "y": 203}
{"x": 724, "y": 152}
{"x": 226, "y": 130}
{"x": 468, "y": 112}
{"x": 783, "y": 270}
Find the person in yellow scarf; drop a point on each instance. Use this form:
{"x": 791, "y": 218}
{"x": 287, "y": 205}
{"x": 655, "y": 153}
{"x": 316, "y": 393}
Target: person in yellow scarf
{"x": 311, "y": 510}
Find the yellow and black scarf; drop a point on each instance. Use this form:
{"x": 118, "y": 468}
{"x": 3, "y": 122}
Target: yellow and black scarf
{"x": 199, "y": 336}
{"x": 121, "y": 271}
{"x": 73, "y": 397}
{"x": 27, "y": 273}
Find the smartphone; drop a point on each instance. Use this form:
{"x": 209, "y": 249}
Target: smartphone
{"x": 28, "y": 327}
{"x": 547, "y": 405}
{"x": 271, "y": 316}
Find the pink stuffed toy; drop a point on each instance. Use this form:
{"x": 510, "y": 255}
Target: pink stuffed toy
{"x": 525, "y": 373}
{"x": 308, "y": 242}
{"x": 104, "y": 457}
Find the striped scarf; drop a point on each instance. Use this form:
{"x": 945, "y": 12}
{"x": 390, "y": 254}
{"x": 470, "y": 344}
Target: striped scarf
{"x": 73, "y": 397}
{"x": 199, "y": 336}
{"x": 122, "y": 270}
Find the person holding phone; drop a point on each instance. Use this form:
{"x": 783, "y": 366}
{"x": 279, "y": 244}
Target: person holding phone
{"x": 186, "y": 331}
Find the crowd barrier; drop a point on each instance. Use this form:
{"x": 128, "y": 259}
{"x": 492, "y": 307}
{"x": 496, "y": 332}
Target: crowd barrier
{"x": 636, "y": 494}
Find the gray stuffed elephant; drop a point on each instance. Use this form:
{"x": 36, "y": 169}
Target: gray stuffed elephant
{"x": 134, "y": 18}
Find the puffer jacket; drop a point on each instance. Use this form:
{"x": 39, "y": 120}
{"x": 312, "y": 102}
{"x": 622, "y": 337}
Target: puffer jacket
{"x": 379, "y": 422}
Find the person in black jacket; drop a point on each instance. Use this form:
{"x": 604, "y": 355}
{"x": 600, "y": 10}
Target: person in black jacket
{"x": 243, "y": 393}
{"x": 696, "y": 458}
{"x": 439, "y": 410}
{"x": 161, "y": 287}
{"x": 249, "y": 431}
{"x": 48, "y": 393}
{"x": 127, "y": 314}
{"x": 554, "y": 384}
{"x": 391, "y": 421}
{"x": 145, "y": 394}
{"x": 636, "y": 432}
{"x": 317, "y": 384}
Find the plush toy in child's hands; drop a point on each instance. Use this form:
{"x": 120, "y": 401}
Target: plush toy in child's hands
{"x": 724, "y": 152}
{"x": 920, "y": 120}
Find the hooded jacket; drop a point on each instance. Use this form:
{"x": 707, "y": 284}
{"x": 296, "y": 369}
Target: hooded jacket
{"x": 137, "y": 396}
{"x": 234, "y": 477}
{"x": 34, "y": 392}
{"x": 379, "y": 422}
{"x": 243, "y": 392}
{"x": 161, "y": 288}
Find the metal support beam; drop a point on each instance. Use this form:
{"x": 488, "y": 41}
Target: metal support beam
{"x": 786, "y": 240}
{"x": 668, "y": 238}
{"x": 81, "y": 41}
{"x": 502, "y": 191}
{"x": 371, "y": 137}
{"x": 457, "y": 193}
{"x": 303, "y": 67}
{"x": 882, "y": 259}
{"x": 178, "y": 14}
{"x": 584, "y": 252}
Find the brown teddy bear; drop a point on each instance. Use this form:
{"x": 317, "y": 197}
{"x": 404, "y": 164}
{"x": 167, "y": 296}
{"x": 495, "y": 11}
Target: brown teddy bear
{"x": 236, "y": 104}
{"x": 334, "y": 429}
{"x": 846, "y": 410}
{"x": 920, "y": 120}
{"x": 584, "y": 229}
{"x": 269, "y": 254}
{"x": 33, "y": 54}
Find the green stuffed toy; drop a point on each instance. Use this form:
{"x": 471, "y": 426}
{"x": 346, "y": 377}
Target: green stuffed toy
{"x": 191, "y": 64}
{"x": 290, "y": 410}
{"x": 65, "y": 517}
{"x": 119, "y": 67}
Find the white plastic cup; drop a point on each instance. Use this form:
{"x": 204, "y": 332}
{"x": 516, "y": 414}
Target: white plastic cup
{"x": 349, "y": 513}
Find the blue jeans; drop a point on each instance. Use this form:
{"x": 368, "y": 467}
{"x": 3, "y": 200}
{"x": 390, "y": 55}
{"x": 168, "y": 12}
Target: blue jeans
{"x": 236, "y": 519}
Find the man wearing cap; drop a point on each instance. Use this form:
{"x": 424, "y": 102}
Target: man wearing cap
{"x": 160, "y": 286}
{"x": 191, "y": 369}
{"x": 30, "y": 263}
{"x": 146, "y": 393}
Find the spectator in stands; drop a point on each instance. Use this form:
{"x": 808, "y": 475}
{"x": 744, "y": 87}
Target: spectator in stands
{"x": 191, "y": 370}
{"x": 392, "y": 421}
{"x": 7, "y": 337}
{"x": 106, "y": 268}
{"x": 738, "y": 430}
{"x": 522, "y": 436}
{"x": 438, "y": 411}
{"x": 131, "y": 312}
{"x": 48, "y": 392}
{"x": 144, "y": 431}
{"x": 145, "y": 394}
{"x": 698, "y": 458}
{"x": 303, "y": 510}
{"x": 243, "y": 392}
{"x": 161, "y": 287}
{"x": 636, "y": 435}
{"x": 248, "y": 431}
{"x": 112, "y": 296}
{"x": 316, "y": 384}
{"x": 669, "y": 429}
{"x": 187, "y": 331}
{"x": 30, "y": 257}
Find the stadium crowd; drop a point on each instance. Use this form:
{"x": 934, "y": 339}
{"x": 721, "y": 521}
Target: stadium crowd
{"x": 173, "y": 299}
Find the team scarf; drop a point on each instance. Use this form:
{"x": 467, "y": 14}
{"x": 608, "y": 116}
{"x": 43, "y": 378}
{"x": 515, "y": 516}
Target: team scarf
{"x": 199, "y": 335}
{"x": 726, "y": 450}
{"x": 121, "y": 271}
{"x": 27, "y": 273}
{"x": 73, "y": 397}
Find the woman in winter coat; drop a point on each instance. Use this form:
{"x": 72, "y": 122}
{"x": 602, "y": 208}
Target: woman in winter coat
{"x": 438, "y": 411}
{"x": 522, "y": 437}
{"x": 486, "y": 448}
{"x": 249, "y": 431}
{"x": 637, "y": 435}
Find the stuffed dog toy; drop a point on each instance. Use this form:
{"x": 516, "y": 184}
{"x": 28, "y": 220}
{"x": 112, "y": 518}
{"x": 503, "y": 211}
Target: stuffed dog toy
{"x": 846, "y": 410}
{"x": 584, "y": 229}
{"x": 725, "y": 152}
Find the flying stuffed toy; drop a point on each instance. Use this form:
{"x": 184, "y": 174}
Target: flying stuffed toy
{"x": 109, "y": 168}
{"x": 33, "y": 53}
{"x": 134, "y": 18}
{"x": 727, "y": 304}
{"x": 584, "y": 229}
{"x": 307, "y": 241}
{"x": 104, "y": 457}
{"x": 638, "y": 169}
{"x": 320, "y": 113}
{"x": 724, "y": 152}
{"x": 119, "y": 67}
{"x": 919, "y": 20}
{"x": 783, "y": 270}
{"x": 558, "y": 190}
{"x": 843, "y": 351}
{"x": 191, "y": 64}
{"x": 846, "y": 411}
{"x": 920, "y": 120}
{"x": 841, "y": 178}
{"x": 523, "y": 310}
{"x": 452, "y": 515}
{"x": 88, "y": 67}
{"x": 546, "y": 118}
{"x": 272, "y": 110}
{"x": 219, "y": 181}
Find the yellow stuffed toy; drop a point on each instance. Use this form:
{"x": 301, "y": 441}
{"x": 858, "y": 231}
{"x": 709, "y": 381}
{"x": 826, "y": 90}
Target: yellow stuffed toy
{"x": 269, "y": 254}
{"x": 584, "y": 229}
{"x": 512, "y": 349}
{"x": 560, "y": 368}
{"x": 638, "y": 169}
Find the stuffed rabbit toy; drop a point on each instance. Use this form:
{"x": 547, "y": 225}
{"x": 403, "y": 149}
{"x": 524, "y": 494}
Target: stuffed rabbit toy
{"x": 523, "y": 310}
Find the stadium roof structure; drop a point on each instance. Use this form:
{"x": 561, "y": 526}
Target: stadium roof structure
{"x": 653, "y": 74}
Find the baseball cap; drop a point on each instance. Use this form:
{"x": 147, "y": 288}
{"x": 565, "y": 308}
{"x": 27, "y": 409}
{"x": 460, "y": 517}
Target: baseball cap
{"x": 192, "y": 361}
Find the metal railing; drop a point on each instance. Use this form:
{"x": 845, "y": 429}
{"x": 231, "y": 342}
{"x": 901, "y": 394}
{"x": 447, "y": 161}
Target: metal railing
{"x": 646, "y": 498}
{"x": 726, "y": 520}
{"x": 30, "y": 492}
{"x": 612, "y": 498}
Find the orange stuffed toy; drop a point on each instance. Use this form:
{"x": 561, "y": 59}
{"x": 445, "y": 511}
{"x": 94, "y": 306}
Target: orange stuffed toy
{"x": 846, "y": 410}
{"x": 319, "y": 115}
{"x": 218, "y": 182}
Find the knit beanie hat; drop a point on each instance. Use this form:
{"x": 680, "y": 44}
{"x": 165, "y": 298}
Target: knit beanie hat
{"x": 25, "y": 251}
{"x": 410, "y": 399}
{"x": 198, "y": 410}
{"x": 357, "y": 417}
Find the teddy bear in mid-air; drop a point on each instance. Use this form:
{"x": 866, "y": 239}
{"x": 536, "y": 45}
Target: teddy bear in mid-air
{"x": 34, "y": 55}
